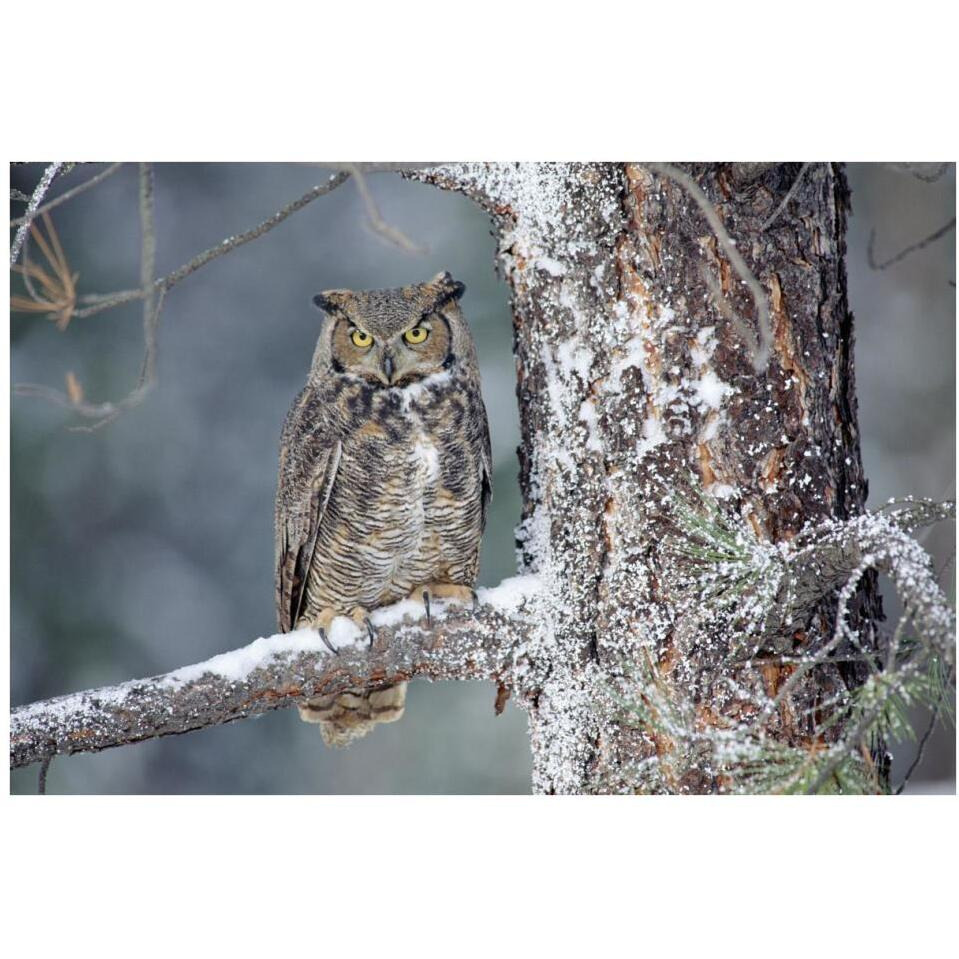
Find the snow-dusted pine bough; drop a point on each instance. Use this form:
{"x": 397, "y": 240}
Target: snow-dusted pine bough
{"x": 697, "y": 609}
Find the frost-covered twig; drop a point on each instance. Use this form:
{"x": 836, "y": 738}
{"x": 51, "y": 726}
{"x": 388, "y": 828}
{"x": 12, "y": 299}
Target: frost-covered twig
{"x": 738, "y": 583}
{"x": 32, "y": 207}
{"x": 70, "y": 194}
{"x": 823, "y": 557}
{"x": 281, "y": 670}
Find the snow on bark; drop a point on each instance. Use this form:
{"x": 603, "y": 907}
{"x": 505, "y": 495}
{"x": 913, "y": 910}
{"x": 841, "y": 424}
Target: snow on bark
{"x": 281, "y": 670}
{"x": 635, "y": 382}
{"x": 697, "y": 575}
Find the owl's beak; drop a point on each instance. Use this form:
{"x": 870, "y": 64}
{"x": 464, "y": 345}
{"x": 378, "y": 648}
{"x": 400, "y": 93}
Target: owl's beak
{"x": 388, "y": 367}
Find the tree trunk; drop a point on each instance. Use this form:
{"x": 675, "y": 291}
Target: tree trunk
{"x": 635, "y": 381}
{"x": 698, "y": 610}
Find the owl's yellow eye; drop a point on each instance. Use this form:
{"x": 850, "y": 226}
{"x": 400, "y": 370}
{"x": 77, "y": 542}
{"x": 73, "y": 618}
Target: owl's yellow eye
{"x": 417, "y": 335}
{"x": 361, "y": 339}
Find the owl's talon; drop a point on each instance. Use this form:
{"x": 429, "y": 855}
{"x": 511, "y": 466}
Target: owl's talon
{"x": 370, "y": 630}
{"x": 475, "y": 596}
{"x": 426, "y": 603}
{"x": 327, "y": 643}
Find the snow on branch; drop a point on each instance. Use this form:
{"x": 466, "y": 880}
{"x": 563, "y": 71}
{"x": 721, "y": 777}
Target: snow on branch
{"x": 280, "y": 670}
{"x": 759, "y": 593}
{"x": 39, "y": 192}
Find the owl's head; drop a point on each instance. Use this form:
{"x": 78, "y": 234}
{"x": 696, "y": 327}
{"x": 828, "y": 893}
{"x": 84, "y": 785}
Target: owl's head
{"x": 393, "y": 337}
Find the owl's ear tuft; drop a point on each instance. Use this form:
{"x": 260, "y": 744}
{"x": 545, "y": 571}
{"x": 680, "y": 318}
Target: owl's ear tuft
{"x": 452, "y": 289}
{"x": 328, "y": 301}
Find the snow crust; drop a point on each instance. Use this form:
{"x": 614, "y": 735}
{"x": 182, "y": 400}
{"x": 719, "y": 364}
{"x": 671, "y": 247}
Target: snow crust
{"x": 237, "y": 665}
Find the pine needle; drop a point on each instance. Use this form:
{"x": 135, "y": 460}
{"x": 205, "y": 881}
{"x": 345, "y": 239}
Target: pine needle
{"x": 58, "y": 299}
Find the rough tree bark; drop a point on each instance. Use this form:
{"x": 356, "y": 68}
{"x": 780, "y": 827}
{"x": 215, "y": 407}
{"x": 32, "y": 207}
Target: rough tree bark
{"x": 641, "y": 399}
{"x": 631, "y": 375}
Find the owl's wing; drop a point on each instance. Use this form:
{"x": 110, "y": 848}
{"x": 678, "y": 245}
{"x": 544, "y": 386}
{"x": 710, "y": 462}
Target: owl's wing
{"x": 309, "y": 459}
{"x": 486, "y": 466}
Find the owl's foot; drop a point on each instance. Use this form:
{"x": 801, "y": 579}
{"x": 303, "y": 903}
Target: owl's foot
{"x": 321, "y": 623}
{"x": 361, "y": 617}
{"x": 452, "y": 591}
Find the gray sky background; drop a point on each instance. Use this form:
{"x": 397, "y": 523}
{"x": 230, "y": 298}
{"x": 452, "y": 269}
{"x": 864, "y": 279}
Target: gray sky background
{"x": 149, "y": 544}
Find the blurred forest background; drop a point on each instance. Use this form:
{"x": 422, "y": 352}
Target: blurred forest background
{"x": 148, "y": 544}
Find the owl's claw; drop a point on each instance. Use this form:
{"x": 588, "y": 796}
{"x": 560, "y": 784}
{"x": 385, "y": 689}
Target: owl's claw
{"x": 475, "y": 596}
{"x": 426, "y": 603}
{"x": 370, "y": 630}
{"x": 327, "y": 643}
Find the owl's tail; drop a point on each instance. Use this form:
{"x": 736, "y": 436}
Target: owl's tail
{"x": 353, "y": 714}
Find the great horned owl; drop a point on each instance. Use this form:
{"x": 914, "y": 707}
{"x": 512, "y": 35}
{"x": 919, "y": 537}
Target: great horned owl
{"x": 385, "y": 475}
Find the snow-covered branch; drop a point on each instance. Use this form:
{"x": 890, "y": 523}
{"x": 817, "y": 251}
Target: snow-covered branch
{"x": 280, "y": 670}
{"x": 39, "y": 192}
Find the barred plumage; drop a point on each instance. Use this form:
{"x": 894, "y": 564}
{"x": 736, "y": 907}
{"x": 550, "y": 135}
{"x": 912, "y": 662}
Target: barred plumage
{"x": 385, "y": 473}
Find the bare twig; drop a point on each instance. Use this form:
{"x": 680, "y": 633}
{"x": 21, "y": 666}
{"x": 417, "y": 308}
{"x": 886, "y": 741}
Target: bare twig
{"x": 32, "y": 207}
{"x": 760, "y": 349}
{"x": 148, "y": 252}
{"x": 105, "y": 301}
{"x": 18, "y": 195}
{"x": 152, "y": 306}
{"x": 723, "y": 306}
{"x": 933, "y": 719}
{"x": 106, "y": 412}
{"x": 902, "y": 254}
{"x": 379, "y": 226}
{"x": 919, "y": 172}
{"x": 789, "y": 195}
{"x": 42, "y": 778}
{"x": 70, "y": 194}
{"x": 375, "y": 167}
{"x": 153, "y": 292}
{"x": 279, "y": 671}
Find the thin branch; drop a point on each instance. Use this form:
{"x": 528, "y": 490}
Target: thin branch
{"x": 933, "y": 719}
{"x": 379, "y": 226}
{"x": 283, "y": 670}
{"x": 32, "y": 207}
{"x": 760, "y": 349}
{"x": 841, "y": 553}
{"x": 106, "y": 412}
{"x": 105, "y": 301}
{"x": 841, "y": 752}
{"x": 70, "y": 194}
{"x": 916, "y": 169}
{"x": 148, "y": 254}
{"x": 152, "y": 305}
{"x": 375, "y": 167}
{"x": 909, "y": 250}
{"x": 785, "y": 200}
{"x": 152, "y": 292}
{"x": 42, "y": 778}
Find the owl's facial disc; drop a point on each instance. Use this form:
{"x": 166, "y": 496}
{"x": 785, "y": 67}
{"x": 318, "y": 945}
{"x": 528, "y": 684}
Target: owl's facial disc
{"x": 419, "y": 350}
